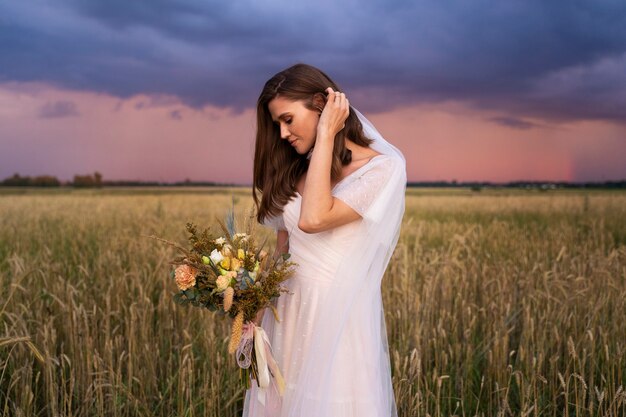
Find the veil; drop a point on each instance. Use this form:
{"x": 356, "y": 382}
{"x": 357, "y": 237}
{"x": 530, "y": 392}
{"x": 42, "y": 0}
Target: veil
{"x": 355, "y": 305}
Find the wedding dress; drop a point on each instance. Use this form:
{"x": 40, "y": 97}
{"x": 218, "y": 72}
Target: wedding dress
{"x": 331, "y": 341}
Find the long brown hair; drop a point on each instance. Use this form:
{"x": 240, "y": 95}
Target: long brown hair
{"x": 277, "y": 166}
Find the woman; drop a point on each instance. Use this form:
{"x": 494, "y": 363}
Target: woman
{"x": 333, "y": 189}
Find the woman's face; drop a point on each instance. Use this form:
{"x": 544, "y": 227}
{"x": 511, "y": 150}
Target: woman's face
{"x": 297, "y": 123}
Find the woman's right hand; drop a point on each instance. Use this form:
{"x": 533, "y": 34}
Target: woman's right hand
{"x": 335, "y": 112}
{"x": 259, "y": 316}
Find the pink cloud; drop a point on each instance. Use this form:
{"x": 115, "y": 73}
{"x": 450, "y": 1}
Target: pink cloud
{"x": 159, "y": 138}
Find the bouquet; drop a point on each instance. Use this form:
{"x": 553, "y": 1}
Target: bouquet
{"x": 231, "y": 275}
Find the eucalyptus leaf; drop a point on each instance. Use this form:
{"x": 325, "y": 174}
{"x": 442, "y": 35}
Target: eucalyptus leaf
{"x": 178, "y": 298}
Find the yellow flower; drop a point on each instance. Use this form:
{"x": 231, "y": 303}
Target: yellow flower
{"x": 225, "y": 263}
{"x": 241, "y": 254}
{"x": 185, "y": 276}
{"x": 235, "y": 264}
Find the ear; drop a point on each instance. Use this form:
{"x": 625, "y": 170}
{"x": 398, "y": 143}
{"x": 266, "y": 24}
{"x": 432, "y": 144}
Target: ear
{"x": 319, "y": 101}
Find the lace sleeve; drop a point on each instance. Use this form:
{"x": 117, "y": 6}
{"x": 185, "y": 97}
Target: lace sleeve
{"x": 275, "y": 222}
{"x": 361, "y": 191}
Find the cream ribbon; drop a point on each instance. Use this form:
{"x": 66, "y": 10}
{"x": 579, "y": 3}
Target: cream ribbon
{"x": 265, "y": 363}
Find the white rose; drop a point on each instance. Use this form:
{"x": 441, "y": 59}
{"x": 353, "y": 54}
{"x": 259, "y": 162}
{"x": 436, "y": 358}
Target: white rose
{"x": 216, "y": 256}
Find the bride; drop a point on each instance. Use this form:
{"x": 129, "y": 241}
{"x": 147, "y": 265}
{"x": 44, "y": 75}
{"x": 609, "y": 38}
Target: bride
{"x": 333, "y": 189}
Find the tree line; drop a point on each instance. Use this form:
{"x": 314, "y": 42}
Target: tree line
{"x": 90, "y": 180}
{"x": 95, "y": 181}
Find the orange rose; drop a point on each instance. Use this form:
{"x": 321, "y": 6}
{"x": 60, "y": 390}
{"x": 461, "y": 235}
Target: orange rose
{"x": 185, "y": 276}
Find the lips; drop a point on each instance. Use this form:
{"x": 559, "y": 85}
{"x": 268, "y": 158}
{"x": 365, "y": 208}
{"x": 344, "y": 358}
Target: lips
{"x": 293, "y": 142}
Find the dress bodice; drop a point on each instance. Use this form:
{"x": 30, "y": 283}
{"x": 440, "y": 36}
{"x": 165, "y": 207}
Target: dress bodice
{"x": 325, "y": 250}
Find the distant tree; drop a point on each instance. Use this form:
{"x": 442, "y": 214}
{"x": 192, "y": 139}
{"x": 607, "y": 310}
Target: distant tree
{"x": 97, "y": 179}
{"x": 45, "y": 181}
{"x": 16, "y": 181}
{"x": 41, "y": 181}
{"x": 84, "y": 181}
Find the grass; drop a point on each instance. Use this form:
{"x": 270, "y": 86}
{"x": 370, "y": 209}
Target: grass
{"x": 497, "y": 303}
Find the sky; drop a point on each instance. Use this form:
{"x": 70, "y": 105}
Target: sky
{"x": 162, "y": 90}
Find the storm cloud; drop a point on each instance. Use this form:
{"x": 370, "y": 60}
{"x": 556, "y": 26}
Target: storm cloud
{"x": 537, "y": 59}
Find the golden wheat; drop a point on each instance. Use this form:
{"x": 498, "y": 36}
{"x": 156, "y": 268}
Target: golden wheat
{"x": 497, "y": 303}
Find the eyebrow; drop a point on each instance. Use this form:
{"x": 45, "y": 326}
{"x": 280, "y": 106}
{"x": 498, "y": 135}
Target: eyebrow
{"x": 282, "y": 115}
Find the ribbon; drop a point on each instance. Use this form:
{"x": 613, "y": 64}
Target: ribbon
{"x": 253, "y": 335}
{"x": 265, "y": 359}
{"x": 245, "y": 346}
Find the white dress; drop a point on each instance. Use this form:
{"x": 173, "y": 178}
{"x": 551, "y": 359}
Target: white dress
{"x": 318, "y": 256}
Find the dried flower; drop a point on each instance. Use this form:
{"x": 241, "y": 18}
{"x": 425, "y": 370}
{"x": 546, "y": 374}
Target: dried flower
{"x": 241, "y": 254}
{"x": 185, "y": 276}
{"x": 228, "y": 298}
{"x": 220, "y": 241}
{"x": 235, "y": 336}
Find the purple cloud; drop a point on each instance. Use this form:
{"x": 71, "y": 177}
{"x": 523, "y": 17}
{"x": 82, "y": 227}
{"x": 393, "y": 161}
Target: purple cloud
{"x": 58, "y": 109}
{"x": 535, "y": 58}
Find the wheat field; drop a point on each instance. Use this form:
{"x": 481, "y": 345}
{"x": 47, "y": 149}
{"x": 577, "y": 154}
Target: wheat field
{"x": 498, "y": 303}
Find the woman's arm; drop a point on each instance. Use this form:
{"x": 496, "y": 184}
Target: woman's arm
{"x": 319, "y": 210}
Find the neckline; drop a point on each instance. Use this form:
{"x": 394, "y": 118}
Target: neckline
{"x": 350, "y": 174}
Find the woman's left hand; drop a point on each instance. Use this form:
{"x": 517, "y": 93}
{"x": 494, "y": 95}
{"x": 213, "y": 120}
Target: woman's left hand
{"x": 335, "y": 113}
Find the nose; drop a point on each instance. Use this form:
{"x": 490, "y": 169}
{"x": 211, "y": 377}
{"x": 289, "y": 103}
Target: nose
{"x": 284, "y": 132}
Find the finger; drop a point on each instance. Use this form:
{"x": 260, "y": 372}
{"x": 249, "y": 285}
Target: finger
{"x": 343, "y": 102}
